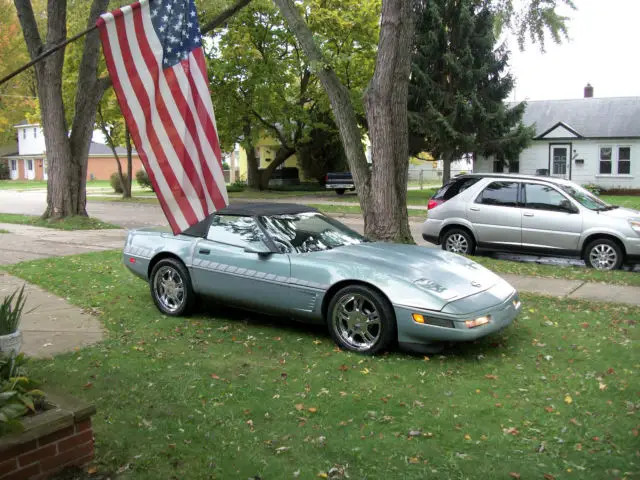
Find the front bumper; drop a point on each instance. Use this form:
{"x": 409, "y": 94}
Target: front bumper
{"x": 452, "y": 327}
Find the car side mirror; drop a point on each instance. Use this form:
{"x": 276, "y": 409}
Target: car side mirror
{"x": 568, "y": 207}
{"x": 257, "y": 247}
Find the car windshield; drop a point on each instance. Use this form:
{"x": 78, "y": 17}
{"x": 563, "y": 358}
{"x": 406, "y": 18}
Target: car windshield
{"x": 586, "y": 198}
{"x": 308, "y": 232}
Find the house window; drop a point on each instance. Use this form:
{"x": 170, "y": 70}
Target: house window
{"x": 35, "y": 132}
{"x": 498, "y": 166}
{"x": 30, "y": 165}
{"x": 605, "y": 160}
{"x": 24, "y": 133}
{"x": 624, "y": 160}
{"x": 14, "y": 165}
{"x": 514, "y": 166}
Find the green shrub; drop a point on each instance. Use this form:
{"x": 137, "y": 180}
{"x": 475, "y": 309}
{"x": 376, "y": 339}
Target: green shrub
{"x": 593, "y": 188}
{"x": 225, "y": 166}
{"x": 5, "y": 174}
{"x": 143, "y": 180}
{"x": 115, "y": 182}
{"x": 237, "y": 186}
{"x": 19, "y": 395}
{"x": 11, "y": 311}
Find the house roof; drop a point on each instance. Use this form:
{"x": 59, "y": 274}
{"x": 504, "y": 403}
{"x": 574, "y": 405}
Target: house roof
{"x": 102, "y": 149}
{"x": 588, "y": 117}
{"x": 22, "y": 123}
{"x": 9, "y": 149}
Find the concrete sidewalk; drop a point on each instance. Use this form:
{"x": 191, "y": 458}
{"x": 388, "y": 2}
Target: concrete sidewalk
{"x": 54, "y": 326}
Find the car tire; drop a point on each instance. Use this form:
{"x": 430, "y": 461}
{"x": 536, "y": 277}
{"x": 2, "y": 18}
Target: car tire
{"x": 340, "y": 191}
{"x": 171, "y": 288}
{"x": 459, "y": 241}
{"x": 603, "y": 254}
{"x": 354, "y": 307}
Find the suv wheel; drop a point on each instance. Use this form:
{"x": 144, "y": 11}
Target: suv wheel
{"x": 460, "y": 241}
{"x": 603, "y": 254}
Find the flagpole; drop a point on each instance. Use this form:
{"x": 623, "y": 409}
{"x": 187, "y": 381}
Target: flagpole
{"x": 46, "y": 54}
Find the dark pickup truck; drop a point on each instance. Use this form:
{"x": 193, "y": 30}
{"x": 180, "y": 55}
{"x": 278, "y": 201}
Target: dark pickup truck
{"x": 339, "y": 181}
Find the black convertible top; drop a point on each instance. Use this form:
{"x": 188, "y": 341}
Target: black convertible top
{"x": 255, "y": 209}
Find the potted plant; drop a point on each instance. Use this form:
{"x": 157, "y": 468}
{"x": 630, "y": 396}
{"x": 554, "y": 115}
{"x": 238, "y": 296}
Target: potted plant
{"x": 10, "y": 315}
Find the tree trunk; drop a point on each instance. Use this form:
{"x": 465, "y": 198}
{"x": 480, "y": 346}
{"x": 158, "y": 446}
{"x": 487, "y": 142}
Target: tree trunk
{"x": 447, "y": 158}
{"x": 66, "y": 155}
{"x": 281, "y": 156}
{"x": 386, "y": 107}
{"x": 383, "y": 192}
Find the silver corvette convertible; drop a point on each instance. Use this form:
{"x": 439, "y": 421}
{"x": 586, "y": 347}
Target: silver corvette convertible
{"x": 292, "y": 260}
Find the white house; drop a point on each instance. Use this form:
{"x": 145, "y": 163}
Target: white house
{"x": 29, "y": 160}
{"x": 586, "y": 140}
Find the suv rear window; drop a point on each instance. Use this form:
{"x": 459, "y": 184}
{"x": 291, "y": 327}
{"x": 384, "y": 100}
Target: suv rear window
{"x": 504, "y": 194}
{"x": 453, "y": 188}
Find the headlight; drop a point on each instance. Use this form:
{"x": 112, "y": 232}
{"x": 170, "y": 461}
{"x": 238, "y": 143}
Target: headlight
{"x": 635, "y": 225}
{"x": 476, "y": 322}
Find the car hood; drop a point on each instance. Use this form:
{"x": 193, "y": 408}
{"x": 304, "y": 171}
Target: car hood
{"x": 443, "y": 274}
{"x": 622, "y": 213}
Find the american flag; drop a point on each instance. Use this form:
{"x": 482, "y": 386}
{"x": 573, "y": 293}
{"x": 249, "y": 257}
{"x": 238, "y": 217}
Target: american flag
{"x": 153, "y": 50}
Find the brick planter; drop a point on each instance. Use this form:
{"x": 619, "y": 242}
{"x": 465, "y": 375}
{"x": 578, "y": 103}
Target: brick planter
{"x": 59, "y": 437}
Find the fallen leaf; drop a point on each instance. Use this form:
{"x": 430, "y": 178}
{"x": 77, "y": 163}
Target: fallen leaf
{"x": 514, "y": 475}
{"x": 280, "y": 450}
{"x": 467, "y": 436}
{"x": 568, "y": 400}
{"x": 602, "y": 386}
{"x": 365, "y": 371}
{"x": 498, "y": 405}
{"x": 323, "y": 475}
{"x": 548, "y": 409}
{"x": 491, "y": 377}
{"x": 635, "y": 432}
{"x": 92, "y": 470}
{"x": 312, "y": 409}
{"x": 87, "y": 385}
{"x": 215, "y": 377}
{"x": 548, "y": 476}
{"x": 426, "y": 359}
{"x": 299, "y": 406}
{"x": 343, "y": 368}
{"x": 414, "y": 460}
{"x": 317, "y": 342}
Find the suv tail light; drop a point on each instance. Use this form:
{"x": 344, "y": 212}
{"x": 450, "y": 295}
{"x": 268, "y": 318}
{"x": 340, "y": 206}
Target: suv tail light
{"x": 434, "y": 203}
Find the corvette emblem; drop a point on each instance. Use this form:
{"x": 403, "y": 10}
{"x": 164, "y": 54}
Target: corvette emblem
{"x": 475, "y": 284}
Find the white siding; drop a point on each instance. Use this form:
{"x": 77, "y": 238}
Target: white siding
{"x": 28, "y": 144}
{"x": 537, "y": 157}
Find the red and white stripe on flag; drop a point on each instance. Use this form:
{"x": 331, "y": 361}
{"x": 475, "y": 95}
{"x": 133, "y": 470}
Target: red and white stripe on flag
{"x": 153, "y": 50}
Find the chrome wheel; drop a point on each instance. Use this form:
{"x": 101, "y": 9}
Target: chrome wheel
{"x": 169, "y": 288}
{"x": 603, "y": 257}
{"x": 457, "y": 243}
{"x": 356, "y": 321}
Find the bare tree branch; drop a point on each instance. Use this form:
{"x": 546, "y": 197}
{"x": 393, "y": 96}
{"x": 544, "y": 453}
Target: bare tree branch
{"x": 224, "y": 16}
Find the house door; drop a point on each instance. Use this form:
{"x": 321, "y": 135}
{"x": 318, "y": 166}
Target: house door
{"x": 30, "y": 171}
{"x": 13, "y": 169}
{"x": 560, "y": 158}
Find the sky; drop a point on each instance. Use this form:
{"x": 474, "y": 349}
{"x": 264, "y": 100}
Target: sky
{"x": 602, "y": 50}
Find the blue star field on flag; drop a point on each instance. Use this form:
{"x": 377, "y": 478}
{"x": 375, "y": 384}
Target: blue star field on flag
{"x": 177, "y": 27}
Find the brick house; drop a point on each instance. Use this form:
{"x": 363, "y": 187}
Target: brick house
{"x": 28, "y": 160}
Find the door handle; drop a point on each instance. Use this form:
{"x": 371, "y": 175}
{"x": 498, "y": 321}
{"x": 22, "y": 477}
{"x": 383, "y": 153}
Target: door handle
{"x": 204, "y": 251}
{"x": 474, "y": 209}
{"x": 528, "y": 214}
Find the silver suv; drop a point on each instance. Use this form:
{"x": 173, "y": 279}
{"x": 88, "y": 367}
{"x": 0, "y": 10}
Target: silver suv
{"x": 530, "y": 214}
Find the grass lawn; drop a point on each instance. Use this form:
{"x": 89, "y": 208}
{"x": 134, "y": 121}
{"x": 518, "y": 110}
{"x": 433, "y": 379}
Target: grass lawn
{"x": 234, "y": 395}
{"x": 29, "y": 184}
{"x": 71, "y": 223}
{"x": 2, "y": 230}
{"x": 628, "y": 201}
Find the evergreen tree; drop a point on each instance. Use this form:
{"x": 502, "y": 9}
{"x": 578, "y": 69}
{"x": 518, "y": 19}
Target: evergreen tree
{"x": 459, "y": 85}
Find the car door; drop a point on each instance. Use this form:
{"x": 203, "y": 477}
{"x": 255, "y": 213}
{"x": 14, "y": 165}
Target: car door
{"x": 496, "y": 216}
{"x": 222, "y": 268}
{"x": 550, "y": 220}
